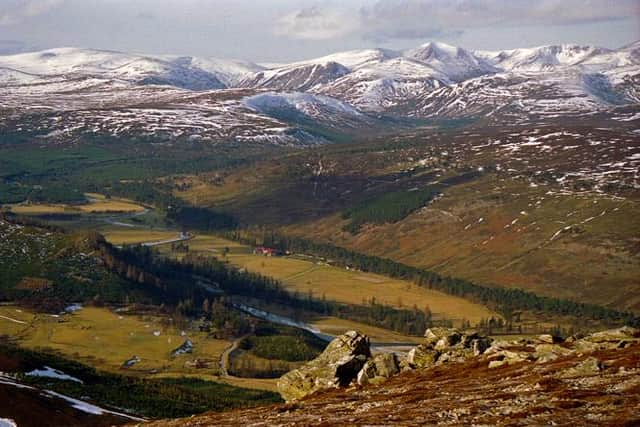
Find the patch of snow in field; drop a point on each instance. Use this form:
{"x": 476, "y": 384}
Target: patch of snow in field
{"x": 512, "y": 223}
{"x": 131, "y": 362}
{"x": 7, "y": 422}
{"x": 73, "y": 308}
{"x": 49, "y": 372}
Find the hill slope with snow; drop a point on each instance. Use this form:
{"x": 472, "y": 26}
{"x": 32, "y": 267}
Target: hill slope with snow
{"x": 344, "y": 90}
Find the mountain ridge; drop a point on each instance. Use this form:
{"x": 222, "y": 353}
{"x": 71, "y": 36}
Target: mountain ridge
{"x": 433, "y": 80}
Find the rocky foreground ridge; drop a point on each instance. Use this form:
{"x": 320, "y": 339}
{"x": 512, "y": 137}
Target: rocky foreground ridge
{"x": 459, "y": 378}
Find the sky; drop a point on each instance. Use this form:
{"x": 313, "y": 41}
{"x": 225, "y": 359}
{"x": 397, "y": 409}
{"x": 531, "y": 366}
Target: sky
{"x": 288, "y": 30}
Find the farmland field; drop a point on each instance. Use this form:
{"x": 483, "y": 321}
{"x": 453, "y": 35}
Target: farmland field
{"x": 97, "y": 203}
{"x": 121, "y": 236}
{"x": 106, "y": 340}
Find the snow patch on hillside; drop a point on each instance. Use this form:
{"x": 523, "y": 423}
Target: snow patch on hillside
{"x": 303, "y": 102}
{"x": 49, "y": 372}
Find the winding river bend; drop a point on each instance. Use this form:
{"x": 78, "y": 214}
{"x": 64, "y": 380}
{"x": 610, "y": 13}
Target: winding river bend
{"x": 381, "y": 347}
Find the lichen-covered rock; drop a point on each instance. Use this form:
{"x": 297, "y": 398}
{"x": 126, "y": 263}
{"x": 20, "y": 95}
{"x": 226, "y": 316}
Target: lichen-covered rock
{"x": 547, "y": 352}
{"x": 443, "y": 345}
{"x": 455, "y": 354}
{"x": 509, "y": 357}
{"x": 442, "y": 337}
{"x": 609, "y": 339}
{"x": 588, "y": 367}
{"x": 614, "y": 336}
{"x": 337, "y": 366}
{"x": 378, "y": 369}
{"x": 422, "y": 357}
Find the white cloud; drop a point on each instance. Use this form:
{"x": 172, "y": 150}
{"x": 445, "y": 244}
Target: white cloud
{"x": 419, "y": 19}
{"x": 316, "y": 23}
{"x": 13, "y": 12}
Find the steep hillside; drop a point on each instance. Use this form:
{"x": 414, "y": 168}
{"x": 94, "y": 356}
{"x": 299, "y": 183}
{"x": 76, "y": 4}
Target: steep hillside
{"x": 547, "y": 206}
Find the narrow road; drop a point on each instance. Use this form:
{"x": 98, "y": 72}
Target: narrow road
{"x": 224, "y": 357}
{"x": 13, "y": 320}
{"x": 118, "y": 218}
{"x": 179, "y": 238}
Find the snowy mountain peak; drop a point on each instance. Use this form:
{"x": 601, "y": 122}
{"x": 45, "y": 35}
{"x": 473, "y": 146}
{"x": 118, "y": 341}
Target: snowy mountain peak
{"x": 436, "y": 50}
{"x": 454, "y": 62}
{"x": 541, "y": 58}
{"x": 301, "y": 77}
{"x": 353, "y": 59}
{"x": 228, "y": 71}
{"x": 434, "y": 79}
{"x": 138, "y": 69}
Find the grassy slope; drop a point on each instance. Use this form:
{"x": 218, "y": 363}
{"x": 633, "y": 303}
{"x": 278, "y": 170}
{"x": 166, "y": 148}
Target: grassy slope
{"x": 594, "y": 261}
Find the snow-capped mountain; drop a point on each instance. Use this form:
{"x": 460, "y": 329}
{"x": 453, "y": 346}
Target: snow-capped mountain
{"x": 380, "y": 86}
{"x": 381, "y": 80}
{"x": 454, "y": 62}
{"x": 67, "y": 91}
{"x": 73, "y": 62}
{"x": 298, "y": 78}
{"x": 229, "y": 71}
{"x": 544, "y": 58}
{"x": 180, "y": 71}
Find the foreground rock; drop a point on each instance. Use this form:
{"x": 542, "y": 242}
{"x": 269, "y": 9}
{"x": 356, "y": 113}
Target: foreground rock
{"x": 444, "y": 345}
{"x": 347, "y": 360}
{"x": 379, "y": 369}
{"x": 601, "y": 388}
{"x": 337, "y": 366}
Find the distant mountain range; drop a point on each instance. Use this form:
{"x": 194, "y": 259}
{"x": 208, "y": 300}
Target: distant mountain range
{"x": 57, "y": 92}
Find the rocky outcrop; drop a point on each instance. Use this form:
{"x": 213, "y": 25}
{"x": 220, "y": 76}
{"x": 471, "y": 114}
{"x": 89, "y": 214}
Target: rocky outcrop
{"x": 347, "y": 360}
{"x": 379, "y": 369}
{"x": 508, "y": 357}
{"x": 548, "y": 352}
{"x": 599, "y": 388}
{"x": 337, "y": 366}
{"x": 588, "y": 367}
{"x": 610, "y": 339}
{"x": 447, "y": 345}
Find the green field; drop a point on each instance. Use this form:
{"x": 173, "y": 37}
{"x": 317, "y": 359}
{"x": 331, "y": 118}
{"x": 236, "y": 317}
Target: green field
{"x": 104, "y": 339}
